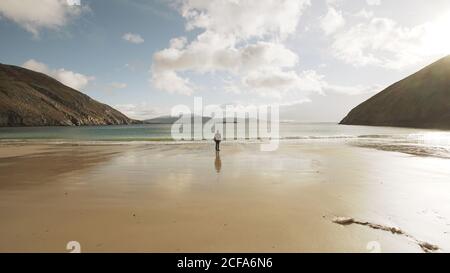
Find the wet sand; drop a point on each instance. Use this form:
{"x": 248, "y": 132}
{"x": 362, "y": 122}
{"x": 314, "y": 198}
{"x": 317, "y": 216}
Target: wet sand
{"x": 184, "y": 198}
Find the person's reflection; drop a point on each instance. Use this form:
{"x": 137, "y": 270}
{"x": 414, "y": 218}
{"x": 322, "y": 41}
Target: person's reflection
{"x": 218, "y": 163}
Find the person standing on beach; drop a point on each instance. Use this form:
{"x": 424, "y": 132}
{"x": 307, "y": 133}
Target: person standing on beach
{"x": 217, "y": 140}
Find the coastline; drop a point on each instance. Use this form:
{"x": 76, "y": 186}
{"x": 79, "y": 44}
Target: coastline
{"x": 182, "y": 198}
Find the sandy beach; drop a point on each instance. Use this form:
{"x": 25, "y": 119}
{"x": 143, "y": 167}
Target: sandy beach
{"x": 184, "y": 198}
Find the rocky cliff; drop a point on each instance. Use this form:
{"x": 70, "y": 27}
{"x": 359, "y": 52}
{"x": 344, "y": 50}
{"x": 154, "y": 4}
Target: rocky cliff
{"x": 28, "y": 98}
{"x": 422, "y": 100}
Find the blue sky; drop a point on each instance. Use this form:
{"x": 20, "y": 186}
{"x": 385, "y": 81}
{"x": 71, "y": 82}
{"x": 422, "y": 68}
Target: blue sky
{"x": 317, "y": 58}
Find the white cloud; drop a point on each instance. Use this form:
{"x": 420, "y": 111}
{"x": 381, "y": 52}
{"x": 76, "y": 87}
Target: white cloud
{"x": 332, "y": 21}
{"x": 72, "y": 79}
{"x": 74, "y": 2}
{"x": 141, "y": 111}
{"x": 210, "y": 53}
{"x": 243, "y": 19}
{"x": 242, "y": 38}
{"x": 285, "y": 88}
{"x": 238, "y": 43}
{"x": 365, "y": 14}
{"x": 279, "y": 84}
{"x": 33, "y": 15}
{"x": 373, "y": 2}
{"x": 383, "y": 42}
{"x": 133, "y": 38}
{"x": 169, "y": 81}
{"x": 118, "y": 85}
{"x": 352, "y": 90}
{"x": 334, "y": 2}
{"x": 379, "y": 42}
{"x": 36, "y": 66}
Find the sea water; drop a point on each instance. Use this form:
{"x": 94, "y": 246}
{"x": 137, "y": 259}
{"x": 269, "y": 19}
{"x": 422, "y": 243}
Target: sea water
{"x": 415, "y": 141}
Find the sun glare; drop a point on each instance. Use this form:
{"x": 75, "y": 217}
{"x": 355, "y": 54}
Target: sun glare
{"x": 437, "y": 38}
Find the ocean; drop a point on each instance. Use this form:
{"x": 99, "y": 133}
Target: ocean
{"x": 413, "y": 141}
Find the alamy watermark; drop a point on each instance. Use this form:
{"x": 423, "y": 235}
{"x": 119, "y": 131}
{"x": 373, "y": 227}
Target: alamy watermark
{"x": 260, "y": 123}
{"x": 73, "y": 247}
